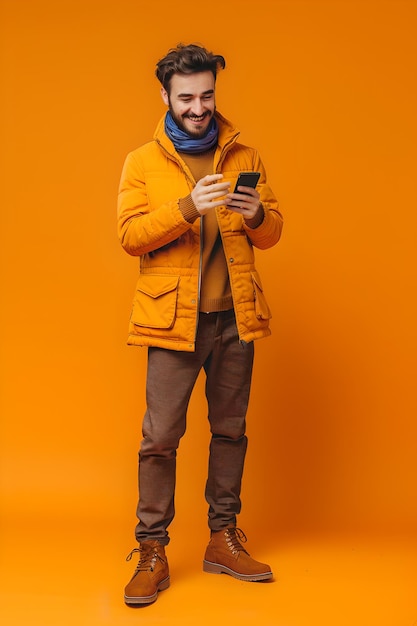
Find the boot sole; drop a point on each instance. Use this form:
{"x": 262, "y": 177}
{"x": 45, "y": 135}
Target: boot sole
{"x": 215, "y": 568}
{"x": 138, "y": 600}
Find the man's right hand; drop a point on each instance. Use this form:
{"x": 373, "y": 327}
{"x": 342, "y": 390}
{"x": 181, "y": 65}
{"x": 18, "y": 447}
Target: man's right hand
{"x": 207, "y": 191}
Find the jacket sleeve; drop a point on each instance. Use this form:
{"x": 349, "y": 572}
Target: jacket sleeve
{"x": 142, "y": 228}
{"x": 268, "y": 233}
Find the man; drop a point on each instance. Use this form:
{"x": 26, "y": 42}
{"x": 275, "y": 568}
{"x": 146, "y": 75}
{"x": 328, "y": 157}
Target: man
{"x": 198, "y": 304}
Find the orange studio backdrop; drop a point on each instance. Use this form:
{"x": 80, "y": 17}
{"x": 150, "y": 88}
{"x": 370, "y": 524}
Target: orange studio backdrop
{"x": 326, "y": 91}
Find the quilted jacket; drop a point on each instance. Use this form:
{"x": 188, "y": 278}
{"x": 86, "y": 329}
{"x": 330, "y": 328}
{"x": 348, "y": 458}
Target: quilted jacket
{"x": 151, "y": 226}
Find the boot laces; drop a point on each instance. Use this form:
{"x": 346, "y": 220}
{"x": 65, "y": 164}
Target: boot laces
{"x": 148, "y": 555}
{"x": 234, "y": 537}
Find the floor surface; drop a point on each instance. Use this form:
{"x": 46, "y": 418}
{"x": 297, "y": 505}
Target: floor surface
{"x": 57, "y": 577}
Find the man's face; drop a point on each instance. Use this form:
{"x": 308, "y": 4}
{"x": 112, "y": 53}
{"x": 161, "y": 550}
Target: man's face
{"x": 191, "y": 101}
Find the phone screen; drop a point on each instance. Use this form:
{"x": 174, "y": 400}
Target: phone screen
{"x": 247, "y": 179}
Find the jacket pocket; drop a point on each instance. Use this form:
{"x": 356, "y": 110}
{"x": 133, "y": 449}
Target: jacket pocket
{"x": 155, "y": 301}
{"x": 262, "y": 310}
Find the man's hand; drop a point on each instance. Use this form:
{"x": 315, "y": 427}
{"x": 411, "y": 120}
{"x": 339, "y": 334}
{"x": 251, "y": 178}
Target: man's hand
{"x": 246, "y": 203}
{"x": 206, "y": 192}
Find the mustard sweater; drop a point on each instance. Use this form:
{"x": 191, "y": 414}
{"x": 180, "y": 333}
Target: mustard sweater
{"x": 215, "y": 292}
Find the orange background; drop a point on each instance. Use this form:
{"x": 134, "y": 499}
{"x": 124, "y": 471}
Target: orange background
{"x": 327, "y": 92}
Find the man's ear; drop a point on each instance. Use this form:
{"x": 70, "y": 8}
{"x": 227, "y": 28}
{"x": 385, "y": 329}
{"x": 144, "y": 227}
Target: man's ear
{"x": 164, "y": 95}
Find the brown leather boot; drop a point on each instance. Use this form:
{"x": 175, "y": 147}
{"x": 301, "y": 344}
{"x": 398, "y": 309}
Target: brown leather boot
{"x": 226, "y": 555}
{"x": 151, "y": 574}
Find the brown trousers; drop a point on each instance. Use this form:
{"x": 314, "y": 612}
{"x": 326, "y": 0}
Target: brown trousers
{"x": 171, "y": 378}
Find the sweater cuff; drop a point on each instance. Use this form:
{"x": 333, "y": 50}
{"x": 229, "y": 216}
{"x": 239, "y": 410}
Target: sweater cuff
{"x": 256, "y": 221}
{"x": 188, "y": 210}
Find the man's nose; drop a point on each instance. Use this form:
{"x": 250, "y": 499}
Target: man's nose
{"x": 198, "y": 107}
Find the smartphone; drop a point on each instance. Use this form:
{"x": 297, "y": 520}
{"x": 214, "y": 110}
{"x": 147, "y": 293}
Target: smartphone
{"x": 247, "y": 179}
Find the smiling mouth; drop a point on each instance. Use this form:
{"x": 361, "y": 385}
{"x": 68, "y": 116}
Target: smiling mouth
{"x": 197, "y": 119}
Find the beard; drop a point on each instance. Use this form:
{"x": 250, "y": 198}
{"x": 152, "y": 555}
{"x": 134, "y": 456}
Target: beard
{"x": 194, "y": 134}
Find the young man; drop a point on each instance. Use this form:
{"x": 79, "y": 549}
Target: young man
{"x": 199, "y": 304}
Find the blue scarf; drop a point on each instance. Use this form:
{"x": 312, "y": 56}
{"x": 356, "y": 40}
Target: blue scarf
{"x": 191, "y": 145}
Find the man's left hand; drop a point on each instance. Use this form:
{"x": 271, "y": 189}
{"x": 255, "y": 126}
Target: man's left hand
{"x": 246, "y": 203}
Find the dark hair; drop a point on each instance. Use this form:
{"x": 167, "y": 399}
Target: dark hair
{"x": 187, "y": 60}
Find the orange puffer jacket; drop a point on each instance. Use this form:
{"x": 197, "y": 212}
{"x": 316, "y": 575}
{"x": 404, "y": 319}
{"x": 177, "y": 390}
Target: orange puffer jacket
{"x": 150, "y": 225}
